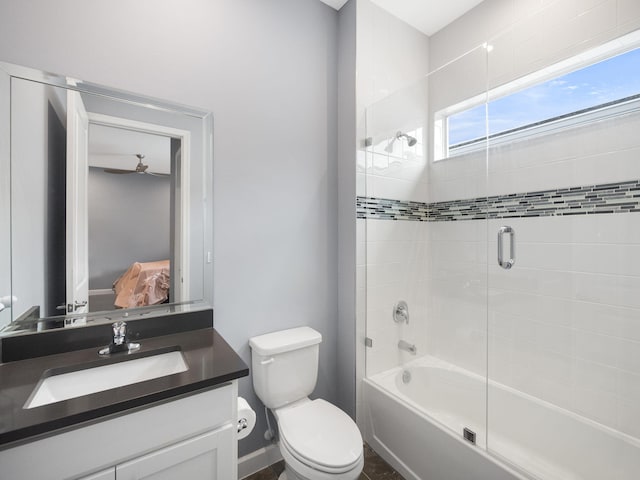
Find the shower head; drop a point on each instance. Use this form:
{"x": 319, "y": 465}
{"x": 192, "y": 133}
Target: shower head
{"x": 410, "y": 140}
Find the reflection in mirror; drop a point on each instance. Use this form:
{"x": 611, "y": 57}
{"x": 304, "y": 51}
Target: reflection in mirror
{"x": 130, "y": 194}
{"x": 108, "y": 199}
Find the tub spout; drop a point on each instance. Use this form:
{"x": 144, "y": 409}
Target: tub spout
{"x": 407, "y": 347}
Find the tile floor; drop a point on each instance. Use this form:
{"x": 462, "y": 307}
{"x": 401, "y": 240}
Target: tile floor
{"x": 375, "y": 468}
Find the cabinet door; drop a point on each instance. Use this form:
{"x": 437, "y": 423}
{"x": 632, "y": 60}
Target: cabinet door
{"x": 208, "y": 456}
{"x": 108, "y": 474}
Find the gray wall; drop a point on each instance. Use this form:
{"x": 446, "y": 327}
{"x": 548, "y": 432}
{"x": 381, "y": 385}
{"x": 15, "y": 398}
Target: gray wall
{"x": 267, "y": 70}
{"x": 347, "y": 207}
{"x": 128, "y": 222}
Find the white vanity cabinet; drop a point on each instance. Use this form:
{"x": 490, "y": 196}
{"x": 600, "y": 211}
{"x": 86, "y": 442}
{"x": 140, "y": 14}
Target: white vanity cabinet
{"x": 191, "y": 437}
{"x": 203, "y": 457}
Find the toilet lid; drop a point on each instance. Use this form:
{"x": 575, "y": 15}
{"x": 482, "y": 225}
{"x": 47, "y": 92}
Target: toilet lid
{"x": 320, "y": 434}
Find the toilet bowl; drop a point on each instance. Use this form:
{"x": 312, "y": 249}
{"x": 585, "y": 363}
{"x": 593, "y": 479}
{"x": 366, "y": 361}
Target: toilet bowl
{"x": 317, "y": 440}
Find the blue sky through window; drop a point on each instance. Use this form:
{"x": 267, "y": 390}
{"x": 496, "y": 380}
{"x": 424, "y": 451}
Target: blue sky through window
{"x": 612, "y": 79}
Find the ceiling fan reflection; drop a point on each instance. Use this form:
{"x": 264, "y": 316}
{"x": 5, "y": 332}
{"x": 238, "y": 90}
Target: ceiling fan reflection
{"x": 139, "y": 168}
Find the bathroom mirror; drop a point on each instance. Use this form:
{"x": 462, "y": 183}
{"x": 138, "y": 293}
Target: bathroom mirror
{"x": 105, "y": 202}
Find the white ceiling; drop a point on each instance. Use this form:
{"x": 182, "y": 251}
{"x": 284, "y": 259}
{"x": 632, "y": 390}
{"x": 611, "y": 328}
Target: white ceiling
{"x": 428, "y": 16}
{"x": 111, "y": 147}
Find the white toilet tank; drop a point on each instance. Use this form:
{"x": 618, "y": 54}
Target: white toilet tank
{"x": 285, "y": 365}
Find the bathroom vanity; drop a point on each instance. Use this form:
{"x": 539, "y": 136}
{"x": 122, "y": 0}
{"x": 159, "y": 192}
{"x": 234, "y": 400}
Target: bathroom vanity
{"x": 191, "y": 437}
{"x": 181, "y": 425}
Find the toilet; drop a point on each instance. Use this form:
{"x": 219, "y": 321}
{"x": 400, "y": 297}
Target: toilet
{"x": 318, "y": 441}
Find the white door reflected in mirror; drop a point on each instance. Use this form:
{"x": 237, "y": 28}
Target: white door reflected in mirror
{"x": 77, "y": 217}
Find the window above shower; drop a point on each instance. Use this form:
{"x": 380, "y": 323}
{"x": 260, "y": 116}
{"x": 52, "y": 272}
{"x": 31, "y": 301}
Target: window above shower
{"x": 597, "y": 84}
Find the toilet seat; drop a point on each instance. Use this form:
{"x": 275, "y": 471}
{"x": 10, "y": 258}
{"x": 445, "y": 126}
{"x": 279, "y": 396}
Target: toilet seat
{"x": 321, "y": 436}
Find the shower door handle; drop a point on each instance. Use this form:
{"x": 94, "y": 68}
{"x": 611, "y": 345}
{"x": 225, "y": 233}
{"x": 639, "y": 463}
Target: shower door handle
{"x": 507, "y": 264}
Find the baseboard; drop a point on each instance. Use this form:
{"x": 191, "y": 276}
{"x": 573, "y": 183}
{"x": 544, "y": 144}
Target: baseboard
{"x": 255, "y": 461}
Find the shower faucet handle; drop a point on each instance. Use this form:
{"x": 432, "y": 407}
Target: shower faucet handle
{"x": 401, "y": 312}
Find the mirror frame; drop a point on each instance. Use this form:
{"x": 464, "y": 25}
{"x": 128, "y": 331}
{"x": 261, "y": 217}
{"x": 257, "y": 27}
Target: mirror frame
{"x": 9, "y": 71}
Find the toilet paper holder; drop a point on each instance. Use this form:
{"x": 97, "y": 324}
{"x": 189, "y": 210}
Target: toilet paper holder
{"x": 242, "y": 424}
{"x": 246, "y": 419}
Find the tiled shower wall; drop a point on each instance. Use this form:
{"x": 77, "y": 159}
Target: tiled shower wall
{"x": 564, "y": 323}
{"x": 390, "y": 56}
{"x": 397, "y": 259}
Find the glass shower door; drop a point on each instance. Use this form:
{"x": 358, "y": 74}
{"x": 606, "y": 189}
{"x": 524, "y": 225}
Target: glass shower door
{"x": 564, "y": 316}
{"x": 425, "y": 264}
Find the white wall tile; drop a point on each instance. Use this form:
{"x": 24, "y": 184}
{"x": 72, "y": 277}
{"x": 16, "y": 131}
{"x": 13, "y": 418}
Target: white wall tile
{"x": 555, "y": 338}
{"x": 628, "y": 10}
{"x": 596, "y": 405}
{"x": 361, "y": 253}
{"x": 629, "y": 386}
{"x": 361, "y": 277}
{"x": 397, "y": 266}
{"x": 610, "y": 320}
{"x": 385, "y": 230}
{"x": 361, "y": 184}
{"x": 597, "y": 348}
{"x": 394, "y": 188}
{"x": 628, "y": 418}
{"x": 596, "y": 376}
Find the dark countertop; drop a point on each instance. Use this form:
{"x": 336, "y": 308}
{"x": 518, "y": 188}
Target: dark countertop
{"x": 211, "y": 361}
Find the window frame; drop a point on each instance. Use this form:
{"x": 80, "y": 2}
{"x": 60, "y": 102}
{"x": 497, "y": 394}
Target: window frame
{"x": 443, "y": 151}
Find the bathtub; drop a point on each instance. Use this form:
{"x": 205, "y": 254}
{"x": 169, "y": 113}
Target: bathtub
{"x": 415, "y": 416}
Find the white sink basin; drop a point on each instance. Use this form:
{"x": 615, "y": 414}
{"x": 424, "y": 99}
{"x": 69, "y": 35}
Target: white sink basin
{"x": 91, "y": 380}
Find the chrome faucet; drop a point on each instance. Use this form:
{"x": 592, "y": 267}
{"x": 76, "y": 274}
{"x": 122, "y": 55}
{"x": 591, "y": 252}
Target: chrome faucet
{"x": 407, "y": 347}
{"x": 119, "y": 332}
{"x": 119, "y": 343}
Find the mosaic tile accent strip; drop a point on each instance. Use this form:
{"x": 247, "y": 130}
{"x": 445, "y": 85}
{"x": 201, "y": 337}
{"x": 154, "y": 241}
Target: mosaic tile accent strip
{"x": 609, "y": 198}
{"x": 370, "y": 207}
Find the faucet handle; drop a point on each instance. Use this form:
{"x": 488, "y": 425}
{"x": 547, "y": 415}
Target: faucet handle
{"x": 401, "y": 312}
{"x": 119, "y": 343}
{"x": 119, "y": 332}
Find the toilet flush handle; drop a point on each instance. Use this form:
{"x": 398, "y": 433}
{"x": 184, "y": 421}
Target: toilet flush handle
{"x": 267, "y": 361}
